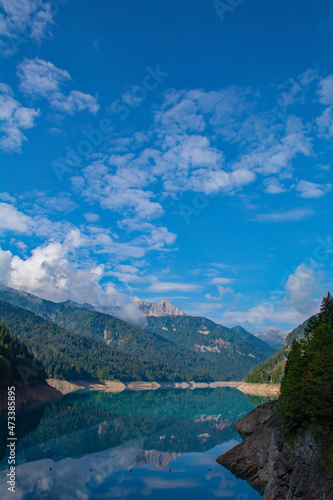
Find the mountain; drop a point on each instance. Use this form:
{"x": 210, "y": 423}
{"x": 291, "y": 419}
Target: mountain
{"x": 171, "y": 347}
{"x": 163, "y": 308}
{"x": 273, "y": 337}
{"x": 217, "y": 342}
{"x": 272, "y": 370}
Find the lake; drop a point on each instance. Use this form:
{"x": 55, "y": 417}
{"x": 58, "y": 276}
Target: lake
{"x": 132, "y": 445}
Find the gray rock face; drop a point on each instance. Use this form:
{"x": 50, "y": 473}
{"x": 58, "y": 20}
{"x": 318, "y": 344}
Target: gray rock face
{"x": 298, "y": 475}
{"x": 163, "y": 308}
{"x": 256, "y": 417}
{"x": 278, "y": 471}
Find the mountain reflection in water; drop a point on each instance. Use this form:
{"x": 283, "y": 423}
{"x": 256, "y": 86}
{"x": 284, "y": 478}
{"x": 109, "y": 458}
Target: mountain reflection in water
{"x": 129, "y": 440}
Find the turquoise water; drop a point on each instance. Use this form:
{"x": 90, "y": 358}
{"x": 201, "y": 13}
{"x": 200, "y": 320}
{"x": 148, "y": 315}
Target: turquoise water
{"x": 122, "y": 446}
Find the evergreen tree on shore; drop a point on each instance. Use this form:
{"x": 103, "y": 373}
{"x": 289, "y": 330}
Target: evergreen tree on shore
{"x": 307, "y": 388}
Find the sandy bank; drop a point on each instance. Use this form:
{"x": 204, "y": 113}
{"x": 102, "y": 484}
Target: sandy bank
{"x": 66, "y": 387}
{"x": 260, "y": 389}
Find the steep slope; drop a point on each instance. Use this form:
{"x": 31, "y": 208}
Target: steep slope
{"x": 272, "y": 370}
{"x": 225, "y": 356}
{"x": 154, "y": 350}
{"x": 217, "y": 343}
{"x": 68, "y": 355}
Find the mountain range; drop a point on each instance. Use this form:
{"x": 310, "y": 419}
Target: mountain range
{"x": 74, "y": 341}
{"x": 273, "y": 337}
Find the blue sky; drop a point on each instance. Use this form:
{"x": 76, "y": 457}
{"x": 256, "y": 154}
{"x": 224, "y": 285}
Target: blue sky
{"x": 169, "y": 149}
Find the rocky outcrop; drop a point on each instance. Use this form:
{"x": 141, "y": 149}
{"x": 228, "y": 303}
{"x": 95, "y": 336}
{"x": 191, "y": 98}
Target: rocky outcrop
{"x": 258, "y": 416}
{"x": 299, "y": 474}
{"x": 24, "y": 394}
{"x": 270, "y": 465}
{"x": 163, "y": 308}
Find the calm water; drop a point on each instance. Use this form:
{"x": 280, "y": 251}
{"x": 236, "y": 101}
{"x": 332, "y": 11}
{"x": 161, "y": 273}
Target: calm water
{"x": 130, "y": 441}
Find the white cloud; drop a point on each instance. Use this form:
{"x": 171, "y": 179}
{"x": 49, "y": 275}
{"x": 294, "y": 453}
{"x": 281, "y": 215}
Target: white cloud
{"x": 41, "y": 79}
{"x": 221, "y": 290}
{"x": 298, "y": 301}
{"x": 21, "y": 20}
{"x": 51, "y": 273}
{"x": 325, "y": 94}
{"x": 14, "y": 118}
{"x": 159, "y": 286}
{"x": 325, "y": 90}
{"x": 221, "y": 281}
{"x": 273, "y": 185}
{"x": 13, "y": 220}
{"x": 285, "y": 216}
{"x": 301, "y": 288}
{"x": 274, "y": 152}
{"x": 7, "y": 198}
{"x": 312, "y": 190}
{"x": 91, "y": 217}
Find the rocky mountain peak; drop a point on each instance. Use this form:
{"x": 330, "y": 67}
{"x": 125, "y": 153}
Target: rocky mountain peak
{"x": 162, "y": 308}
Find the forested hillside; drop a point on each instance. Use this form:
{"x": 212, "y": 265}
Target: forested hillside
{"x": 186, "y": 353}
{"x": 72, "y": 356}
{"x": 272, "y": 370}
{"x": 17, "y": 364}
{"x": 217, "y": 342}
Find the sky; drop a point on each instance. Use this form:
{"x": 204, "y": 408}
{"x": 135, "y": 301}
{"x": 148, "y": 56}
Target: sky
{"x": 178, "y": 149}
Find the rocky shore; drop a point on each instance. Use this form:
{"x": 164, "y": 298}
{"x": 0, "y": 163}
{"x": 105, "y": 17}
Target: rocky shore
{"x": 271, "y": 466}
{"x": 24, "y": 394}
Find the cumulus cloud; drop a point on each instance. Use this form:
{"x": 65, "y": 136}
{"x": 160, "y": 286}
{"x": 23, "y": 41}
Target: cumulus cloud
{"x": 51, "y": 274}
{"x": 312, "y": 190}
{"x": 301, "y": 288}
{"x": 273, "y": 185}
{"x": 23, "y": 20}
{"x": 300, "y": 299}
{"x": 14, "y": 119}
{"x": 325, "y": 95}
{"x": 42, "y": 79}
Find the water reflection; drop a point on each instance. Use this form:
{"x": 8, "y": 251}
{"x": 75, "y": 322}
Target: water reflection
{"x": 91, "y": 441}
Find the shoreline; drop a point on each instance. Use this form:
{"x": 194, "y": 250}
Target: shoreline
{"x": 53, "y": 389}
{"x": 65, "y": 387}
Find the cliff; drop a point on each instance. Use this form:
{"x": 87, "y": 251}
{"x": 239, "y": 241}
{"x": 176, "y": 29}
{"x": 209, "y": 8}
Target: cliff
{"x": 163, "y": 308}
{"x": 276, "y": 469}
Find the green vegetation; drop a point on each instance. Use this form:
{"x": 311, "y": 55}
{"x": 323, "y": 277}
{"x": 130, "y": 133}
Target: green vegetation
{"x": 72, "y": 356}
{"x": 306, "y": 400}
{"x": 124, "y": 351}
{"x": 17, "y": 364}
{"x": 272, "y": 370}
